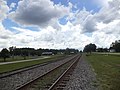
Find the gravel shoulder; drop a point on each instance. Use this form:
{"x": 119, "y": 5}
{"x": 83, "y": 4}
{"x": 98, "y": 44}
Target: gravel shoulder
{"x": 83, "y": 77}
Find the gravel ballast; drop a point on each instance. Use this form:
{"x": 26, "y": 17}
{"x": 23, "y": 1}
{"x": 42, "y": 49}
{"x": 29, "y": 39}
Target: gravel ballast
{"x": 12, "y": 82}
{"x": 83, "y": 77}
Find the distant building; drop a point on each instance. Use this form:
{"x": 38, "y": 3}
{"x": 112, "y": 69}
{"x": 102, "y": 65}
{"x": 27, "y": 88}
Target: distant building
{"x": 72, "y": 52}
{"x": 47, "y": 53}
{"x": 112, "y": 46}
{"x": 112, "y": 50}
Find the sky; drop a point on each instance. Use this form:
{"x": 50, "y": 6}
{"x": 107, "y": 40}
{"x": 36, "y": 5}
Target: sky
{"x": 59, "y": 24}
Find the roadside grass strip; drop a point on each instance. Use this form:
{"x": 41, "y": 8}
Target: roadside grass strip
{"x": 14, "y": 66}
{"x": 107, "y": 68}
{"x": 16, "y": 58}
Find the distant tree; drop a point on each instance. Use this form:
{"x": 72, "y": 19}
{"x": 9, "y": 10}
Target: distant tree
{"x": 4, "y": 54}
{"x": 11, "y": 49}
{"x": 71, "y": 51}
{"x": 39, "y": 52}
{"x": 105, "y": 49}
{"x": 99, "y": 49}
{"x": 67, "y": 51}
{"x": 117, "y": 47}
{"x": 80, "y": 51}
{"x": 90, "y": 48}
{"x": 24, "y": 52}
{"x": 54, "y": 51}
{"x": 102, "y": 50}
{"x": 17, "y": 52}
{"x": 32, "y": 52}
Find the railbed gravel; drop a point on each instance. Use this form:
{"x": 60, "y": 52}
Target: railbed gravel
{"x": 12, "y": 82}
{"x": 83, "y": 77}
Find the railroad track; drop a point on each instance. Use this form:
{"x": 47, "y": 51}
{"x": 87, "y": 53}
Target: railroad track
{"x": 15, "y": 79}
{"x": 6, "y": 74}
{"x": 55, "y": 79}
{"x": 61, "y": 82}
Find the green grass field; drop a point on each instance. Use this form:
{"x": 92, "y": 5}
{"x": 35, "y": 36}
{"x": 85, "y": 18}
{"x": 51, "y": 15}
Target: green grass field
{"x": 107, "y": 68}
{"x": 14, "y": 66}
{"x": 16, "y": 58}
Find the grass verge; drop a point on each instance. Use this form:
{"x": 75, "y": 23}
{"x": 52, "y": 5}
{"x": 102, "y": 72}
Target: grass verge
{"x": 17, "y": 58}
{"x": 15, "y": 66}
{"x": 107, "y": 68}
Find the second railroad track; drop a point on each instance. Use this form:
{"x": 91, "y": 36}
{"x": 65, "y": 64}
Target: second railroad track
{"x": 55, "y": 79}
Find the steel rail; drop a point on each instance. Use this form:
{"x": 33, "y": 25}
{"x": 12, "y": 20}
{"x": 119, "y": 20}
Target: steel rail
{"x": 32, "y": 81}
{"x": 54, "y": 85}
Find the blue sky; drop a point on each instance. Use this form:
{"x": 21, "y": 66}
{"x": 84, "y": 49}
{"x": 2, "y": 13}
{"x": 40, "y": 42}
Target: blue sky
{"x": 59, "y": 23}
{"x": 80, "y": 4}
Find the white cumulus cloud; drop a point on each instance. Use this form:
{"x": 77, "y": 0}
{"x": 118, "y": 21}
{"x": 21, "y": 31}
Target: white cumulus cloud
{"x": 38, "y": 12}
{"x": 83, "y": 27}
{"x": 4, "y": 9}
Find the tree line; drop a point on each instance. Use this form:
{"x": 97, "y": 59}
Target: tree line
{"x": 24, "y": 52}
{"x": 115, "y": 46}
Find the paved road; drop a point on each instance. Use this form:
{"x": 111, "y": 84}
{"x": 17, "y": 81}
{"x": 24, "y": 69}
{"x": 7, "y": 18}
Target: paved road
{"x": 24, "y": 60}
